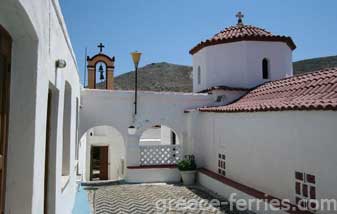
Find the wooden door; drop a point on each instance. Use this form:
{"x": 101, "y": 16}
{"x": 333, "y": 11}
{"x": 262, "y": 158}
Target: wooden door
{"x": 104, "y": 162}
{"x": 5, "y": 69}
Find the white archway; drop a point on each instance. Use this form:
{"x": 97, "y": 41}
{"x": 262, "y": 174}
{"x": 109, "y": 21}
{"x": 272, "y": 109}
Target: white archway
{"x": 159, "y": 145}
{"x": 107, "y": 139}
{"x": 159, "y": 135}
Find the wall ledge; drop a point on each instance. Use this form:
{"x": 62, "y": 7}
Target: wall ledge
{"x": 249, "y": 190}
{"x": 168, "y": 166}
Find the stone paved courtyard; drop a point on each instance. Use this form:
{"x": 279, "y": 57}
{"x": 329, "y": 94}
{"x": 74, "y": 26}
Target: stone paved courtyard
{"x": 155, "y": 198}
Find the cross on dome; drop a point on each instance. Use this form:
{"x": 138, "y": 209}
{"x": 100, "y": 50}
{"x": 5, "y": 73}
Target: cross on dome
{"x": 240, "y": 15}
{"x": 101, "y": 46}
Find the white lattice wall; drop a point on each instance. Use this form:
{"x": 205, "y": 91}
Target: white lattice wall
{"x": 159, "y": 154}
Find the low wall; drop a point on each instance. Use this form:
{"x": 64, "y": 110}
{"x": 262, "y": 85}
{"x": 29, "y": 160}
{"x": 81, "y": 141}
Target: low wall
{"x": 150, "y": 174}
{"x": 261, "y": 203}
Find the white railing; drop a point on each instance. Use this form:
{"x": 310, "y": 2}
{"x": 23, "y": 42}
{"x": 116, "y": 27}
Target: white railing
{"x": 159, "y": 154}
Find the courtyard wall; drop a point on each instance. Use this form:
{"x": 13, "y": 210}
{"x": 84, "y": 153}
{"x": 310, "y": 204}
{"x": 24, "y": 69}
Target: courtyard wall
{"x": 263, "y": 150}
{"x": 115, "y": 108}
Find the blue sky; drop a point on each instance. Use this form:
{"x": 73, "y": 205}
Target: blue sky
{"x": 165, "y": 30}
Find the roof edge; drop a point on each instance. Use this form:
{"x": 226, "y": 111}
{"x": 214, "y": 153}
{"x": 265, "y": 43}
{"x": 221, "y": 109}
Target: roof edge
{"x": 286, "y": 39}
{"x": 223, "y": 87}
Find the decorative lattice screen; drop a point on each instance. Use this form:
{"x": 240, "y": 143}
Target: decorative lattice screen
{"x": 159, "y": 154}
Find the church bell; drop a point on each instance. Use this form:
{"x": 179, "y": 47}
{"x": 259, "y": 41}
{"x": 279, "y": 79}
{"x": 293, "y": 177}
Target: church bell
{"x": 101, "y": 71}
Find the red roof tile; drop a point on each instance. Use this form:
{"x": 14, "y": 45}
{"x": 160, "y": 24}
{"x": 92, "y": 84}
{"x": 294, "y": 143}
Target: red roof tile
{"x": 243, "y": 33}
{"x": 311, "y": 91}
{"x": 223, "y": 87}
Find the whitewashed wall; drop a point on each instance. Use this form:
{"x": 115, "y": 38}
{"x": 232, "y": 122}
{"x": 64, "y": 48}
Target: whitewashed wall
{"x": 239, "y": 64}
{"x": 39, "y": 39}
{"x": 115, "y": 109}
{"x": 104, "y": 136}
{"x": 263, "y": 150}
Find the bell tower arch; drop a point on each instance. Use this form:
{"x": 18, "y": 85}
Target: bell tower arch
{"x": 106, "y": 73}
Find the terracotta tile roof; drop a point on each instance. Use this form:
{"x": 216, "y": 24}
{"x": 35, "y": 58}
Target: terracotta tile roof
{"x": 222, "y": 87}
{"x": 243, "y": 33}
{"x": 311, "y": 91}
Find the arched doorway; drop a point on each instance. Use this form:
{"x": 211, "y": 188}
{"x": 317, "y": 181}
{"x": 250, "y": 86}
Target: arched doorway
{"x": 5, "y": 66}
{"x": 159, "y": 145}
{"x": 102, "y": 154}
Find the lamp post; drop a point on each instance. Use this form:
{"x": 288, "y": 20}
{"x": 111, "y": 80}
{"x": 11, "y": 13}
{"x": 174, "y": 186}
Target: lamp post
{"x": 136, "y": 58}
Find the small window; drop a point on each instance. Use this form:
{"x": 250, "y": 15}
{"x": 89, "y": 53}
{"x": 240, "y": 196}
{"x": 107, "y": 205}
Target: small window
{"x": 76, "y": 131}
{"x": 222, "y": 164}
{"x": 265, "y": 68}
{"x": 305, "y": 189}
{"x": 67, "y": 112}
{"x": 199, "y": 75}
{"x": 173, "y": 138}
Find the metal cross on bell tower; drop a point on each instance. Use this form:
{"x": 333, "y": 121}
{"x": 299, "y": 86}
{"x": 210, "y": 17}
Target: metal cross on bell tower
{"x": 101, "y": 46}
{"x": 240, "y": 15}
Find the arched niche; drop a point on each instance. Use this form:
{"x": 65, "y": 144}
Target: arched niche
{"x": 102, "y": 154}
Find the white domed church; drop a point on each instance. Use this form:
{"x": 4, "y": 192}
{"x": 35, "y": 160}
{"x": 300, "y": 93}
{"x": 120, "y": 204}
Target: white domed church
{"x": 241, "y": 56}
{"x": 255, "y": 130}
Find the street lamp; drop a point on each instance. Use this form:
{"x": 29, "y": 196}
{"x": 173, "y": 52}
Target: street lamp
{"x": 136, "y": 58}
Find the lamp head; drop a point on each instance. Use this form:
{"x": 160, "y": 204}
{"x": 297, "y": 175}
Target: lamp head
{"x": 60, "y": 63}
{"x": 136, "y": 57}
{"x": 132, "y": 130}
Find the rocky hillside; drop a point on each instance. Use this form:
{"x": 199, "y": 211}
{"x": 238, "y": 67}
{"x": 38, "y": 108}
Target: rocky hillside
{"x": 158, "y": 77}
{"x": 314, "y": 64}
{"x": 170, "y": 77}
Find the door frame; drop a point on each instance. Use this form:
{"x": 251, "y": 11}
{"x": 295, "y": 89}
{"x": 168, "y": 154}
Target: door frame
{"x": 91, "y": 159}
{"x": 47, "y": 150}
{"x": 6, "y": 53}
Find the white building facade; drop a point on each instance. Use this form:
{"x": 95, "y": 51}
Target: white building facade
{"x": 251, "y": 124}
{"x": 44, "y": 98}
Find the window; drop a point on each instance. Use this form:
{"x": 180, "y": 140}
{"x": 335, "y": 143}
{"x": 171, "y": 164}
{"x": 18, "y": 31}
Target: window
{"x": 199, "y": 75}
{"x": 305, "y": 188}
{"x": 173, "y": 138}
{"x": 220, "y": 98}
{"x": 66, "y": 130}
{"x": 222, "y": 164}
{"x": 265, "y": 68}
{"x": 77, "y": 125}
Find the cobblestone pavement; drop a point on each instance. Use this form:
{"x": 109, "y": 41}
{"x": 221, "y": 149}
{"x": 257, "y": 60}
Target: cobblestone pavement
{"x": 156, "y": 199}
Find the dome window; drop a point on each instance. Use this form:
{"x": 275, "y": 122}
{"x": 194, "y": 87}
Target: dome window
{"x": 265, "y": 68}
{"x": 199, "y": 75}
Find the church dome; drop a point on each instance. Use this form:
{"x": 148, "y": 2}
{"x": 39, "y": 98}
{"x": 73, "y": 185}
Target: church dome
{"x": 242, "y": 32}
